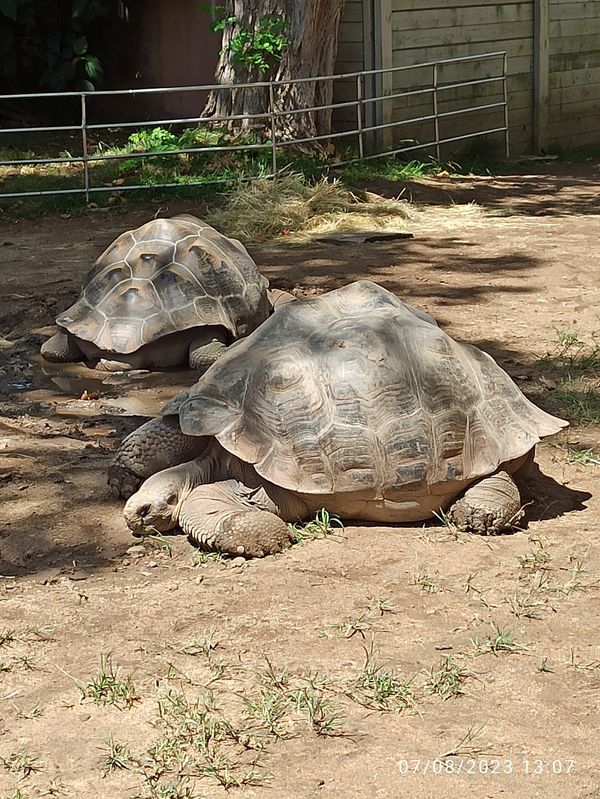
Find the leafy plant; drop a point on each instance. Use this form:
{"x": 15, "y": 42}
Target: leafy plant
{"x": 255, "y": 48}
{"x": 45, "y": 45}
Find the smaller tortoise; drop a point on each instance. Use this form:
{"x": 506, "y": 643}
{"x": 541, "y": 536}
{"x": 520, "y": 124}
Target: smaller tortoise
{"x": 172, "y": 292}
{"x": 352, "y": 401}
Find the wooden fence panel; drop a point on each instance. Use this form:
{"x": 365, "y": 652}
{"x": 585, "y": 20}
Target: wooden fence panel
{"x": 429, "y": 30}
{"x": 574, "y": 83}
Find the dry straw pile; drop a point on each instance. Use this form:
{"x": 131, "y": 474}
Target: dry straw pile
{"x": 291, "y": 206}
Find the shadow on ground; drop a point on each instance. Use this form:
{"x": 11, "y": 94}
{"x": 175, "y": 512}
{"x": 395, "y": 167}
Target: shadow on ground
{"x": 554, "y": 190}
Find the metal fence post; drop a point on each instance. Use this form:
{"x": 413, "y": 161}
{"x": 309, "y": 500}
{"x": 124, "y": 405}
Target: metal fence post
{"x": 505, "y": 98}
{"x": 436, "y": 119}
{"x": 359, "y": 114}
{"x": 86, "y": 167}
{"x": 273, "y": 130}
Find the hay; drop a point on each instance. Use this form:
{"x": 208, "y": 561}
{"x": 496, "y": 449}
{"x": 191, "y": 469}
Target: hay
{"x": 290, "y": 206}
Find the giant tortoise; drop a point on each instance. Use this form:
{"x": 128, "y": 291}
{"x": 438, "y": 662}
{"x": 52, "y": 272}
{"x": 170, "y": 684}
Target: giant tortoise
{"x": 172, "y": 292}
{"x": 352, "y": 401}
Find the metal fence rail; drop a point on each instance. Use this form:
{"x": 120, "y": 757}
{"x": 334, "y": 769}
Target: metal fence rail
{"x": 372, "y": 137}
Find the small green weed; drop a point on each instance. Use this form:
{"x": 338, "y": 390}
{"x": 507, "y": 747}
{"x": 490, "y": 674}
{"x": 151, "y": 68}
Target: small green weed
{"x": 535, "y": 559}
{"x": 447, "y": 680}
{"x": 320, "y": 527}
{"x": 380, "y": 688}
{"x": 270, "y": 708}
{"x": 21, "y": 763}
{"x": 107, "y": 688}
{"x": 201, "y": 558}
{"x": 347, "y": 628}
{"x": 499, "y": 641}
{"x": 469, "y": 745}
{"x": 324, "y": 717}
{"x": 584, "y": 457}
{"x": 424, "y": 581}
{"x": 115, "y": 756}
{"x": 575, "y": 365}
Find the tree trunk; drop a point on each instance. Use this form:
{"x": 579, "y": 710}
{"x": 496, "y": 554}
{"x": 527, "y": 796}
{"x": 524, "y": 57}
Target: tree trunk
{"x": 313, "y": 30}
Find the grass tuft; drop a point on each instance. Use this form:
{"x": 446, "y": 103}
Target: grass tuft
{"x": 320, "y": 527}
{"x": 381, "y": 688}
{"x": 108, "y": 688}
{"x": 447, "y": 680}
{"x": 116, "y": 756}
{"x": 499, "y": 641}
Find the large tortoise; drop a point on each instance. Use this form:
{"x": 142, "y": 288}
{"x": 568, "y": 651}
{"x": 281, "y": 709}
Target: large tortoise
{"x": 172, "y": 292}
{"x": 352, "y": 401}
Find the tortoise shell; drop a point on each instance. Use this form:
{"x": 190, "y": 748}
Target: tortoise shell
{"x": 166, "y": 276}
{"x": 357, "y": 391}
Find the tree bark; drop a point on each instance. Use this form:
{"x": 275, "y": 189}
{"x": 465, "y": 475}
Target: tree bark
{"x": 313, "y": 30}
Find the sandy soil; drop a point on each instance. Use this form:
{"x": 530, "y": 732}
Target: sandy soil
{"x": 516, "y": 614}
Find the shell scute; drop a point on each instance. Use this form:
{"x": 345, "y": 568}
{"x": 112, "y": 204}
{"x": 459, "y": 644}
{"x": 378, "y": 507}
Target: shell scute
{"x": 357, "y": 391}
{"x": 168, "y": 275}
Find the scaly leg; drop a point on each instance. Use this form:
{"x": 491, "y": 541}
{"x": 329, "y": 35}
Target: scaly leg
{"x": 231, "y": 518}
{"x": 156, "y": 445}
{"x": 61, "y": 348}
{"x": 489, "y": 507}
{"x": 206, "y": 348}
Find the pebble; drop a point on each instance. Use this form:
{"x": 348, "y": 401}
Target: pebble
{"x": 199, "y": 579}
{"x": 238, "y": 562}
{"x": 152, "y": 564}
{"x": 137, "y": 550}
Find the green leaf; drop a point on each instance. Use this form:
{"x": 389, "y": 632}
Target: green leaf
{"x": 221, "y": 24}
{"x": 9, "y": 8}
{"x": 80, "y": 45}
{"x": 87, "y": 86}
{"x": 92, "y": 66}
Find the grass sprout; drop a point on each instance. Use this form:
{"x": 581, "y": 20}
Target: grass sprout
{"x": 108, "y": 688}
{"x": 320, "y": 527}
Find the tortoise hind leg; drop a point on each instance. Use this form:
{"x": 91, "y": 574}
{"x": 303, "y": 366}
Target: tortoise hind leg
{"x": 491, "y": 506}
{"x": 227, "y": 517}
{"x": 206, "y": 348}
{"x": 61, "y": 348}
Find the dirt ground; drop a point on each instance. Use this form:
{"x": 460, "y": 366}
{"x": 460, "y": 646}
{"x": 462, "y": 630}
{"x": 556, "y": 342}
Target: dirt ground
{"x": 379, "y": 662}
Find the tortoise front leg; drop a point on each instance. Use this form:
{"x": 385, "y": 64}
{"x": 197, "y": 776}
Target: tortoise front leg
{"x": 206, "y": 348}
{"x": 489, "y": 507}
{"x": 61, "y": 348}
{"x": 228, "y": 518}
{"x": 156, "y": 445}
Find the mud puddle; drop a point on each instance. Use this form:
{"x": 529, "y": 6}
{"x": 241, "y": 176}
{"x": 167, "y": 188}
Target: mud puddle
{"x": 75, "y": 390}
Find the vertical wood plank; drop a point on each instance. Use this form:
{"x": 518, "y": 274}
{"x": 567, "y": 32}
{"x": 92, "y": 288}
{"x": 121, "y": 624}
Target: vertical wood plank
{"x": 369, "y": 62}
{"x": 382, "y": 18}
{"x": 541, "y": 73}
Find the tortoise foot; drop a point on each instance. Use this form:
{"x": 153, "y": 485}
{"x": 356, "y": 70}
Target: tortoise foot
{"x": 490, "y": 507}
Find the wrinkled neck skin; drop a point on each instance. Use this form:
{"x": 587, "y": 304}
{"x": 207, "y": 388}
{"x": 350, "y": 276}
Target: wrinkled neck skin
{"x": 210, "y": 467}
{"x": 219, "y": 464}
{"x": 157, "y": 504}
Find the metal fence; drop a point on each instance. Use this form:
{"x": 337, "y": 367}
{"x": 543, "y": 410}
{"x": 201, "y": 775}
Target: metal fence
{"x": 373, "y": 99}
